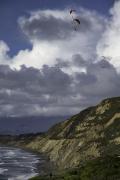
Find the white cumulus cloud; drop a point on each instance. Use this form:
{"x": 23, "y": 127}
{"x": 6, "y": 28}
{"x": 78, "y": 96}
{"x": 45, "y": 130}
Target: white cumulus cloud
{"x": 52, "y": 36}
{"x": 109, "y": 45}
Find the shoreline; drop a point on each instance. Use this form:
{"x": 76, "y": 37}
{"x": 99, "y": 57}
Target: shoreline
{"x": 44, "y": 165}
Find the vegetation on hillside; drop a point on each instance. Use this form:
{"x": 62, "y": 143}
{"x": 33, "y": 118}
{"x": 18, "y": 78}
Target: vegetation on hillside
{"x": 105, "y": 168}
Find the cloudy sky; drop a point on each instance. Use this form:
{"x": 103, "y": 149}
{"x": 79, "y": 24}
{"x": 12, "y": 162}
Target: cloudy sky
{"x": 49, "y": 69}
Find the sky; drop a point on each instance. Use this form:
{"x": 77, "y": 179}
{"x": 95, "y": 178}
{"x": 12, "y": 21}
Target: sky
{"x": 49, "y": 69}
{"x": 11, "y": 10}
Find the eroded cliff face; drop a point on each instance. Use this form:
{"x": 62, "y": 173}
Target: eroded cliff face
{"x": 93, "y": 132}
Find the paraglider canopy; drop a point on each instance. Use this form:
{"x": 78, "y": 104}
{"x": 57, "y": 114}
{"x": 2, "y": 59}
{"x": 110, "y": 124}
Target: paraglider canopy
{"x": 77, "y": 20}
{"x": 72, "y": 10}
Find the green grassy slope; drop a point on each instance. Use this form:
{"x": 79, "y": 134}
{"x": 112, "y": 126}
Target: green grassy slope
{"x": 107, "y": 168}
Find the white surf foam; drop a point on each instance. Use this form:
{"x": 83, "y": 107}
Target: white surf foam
{"x": 2, "y": 170}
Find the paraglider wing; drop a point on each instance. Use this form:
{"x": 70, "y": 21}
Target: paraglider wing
{"x": 77, "y": 20}
{"x": 72, "y": 10}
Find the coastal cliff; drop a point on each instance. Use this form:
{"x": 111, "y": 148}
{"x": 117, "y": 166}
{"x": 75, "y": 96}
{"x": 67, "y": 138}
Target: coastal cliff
{"x": 92, "y": 133}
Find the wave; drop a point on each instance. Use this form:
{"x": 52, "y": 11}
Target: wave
{"x": 2, "y": 170}
{"x": 23, "y": 177}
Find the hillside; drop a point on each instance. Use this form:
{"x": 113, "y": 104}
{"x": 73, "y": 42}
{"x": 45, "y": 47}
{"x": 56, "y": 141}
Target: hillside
{"x": 107, "y": 168}
{"x": 93, "y": 133}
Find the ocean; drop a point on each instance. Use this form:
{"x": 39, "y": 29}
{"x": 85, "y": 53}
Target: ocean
{"x": 17, "y": 164}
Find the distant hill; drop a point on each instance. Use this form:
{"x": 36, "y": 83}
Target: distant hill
{"x": 93, "y": 133}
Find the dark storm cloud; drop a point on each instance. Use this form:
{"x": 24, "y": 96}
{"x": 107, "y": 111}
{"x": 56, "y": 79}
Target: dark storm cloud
{"x": 85, "y": 79}
{"x": 48, "y": 27}
{"x": 49, "y": 90}
{"x": 62, "y": 63}
{"x": 103, "y": 80}
{"x": 25, "y": 85}
{"x": 78, "y": 60}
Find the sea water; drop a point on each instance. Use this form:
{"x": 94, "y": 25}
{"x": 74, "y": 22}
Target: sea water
{"x": 17, "y": 164}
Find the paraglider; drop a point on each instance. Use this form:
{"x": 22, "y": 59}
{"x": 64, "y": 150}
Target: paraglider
{"x": 75, "y": 20}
